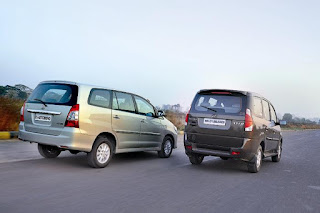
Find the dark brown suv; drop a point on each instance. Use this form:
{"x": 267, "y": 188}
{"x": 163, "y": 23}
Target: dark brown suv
{"x": 232, "y": 124}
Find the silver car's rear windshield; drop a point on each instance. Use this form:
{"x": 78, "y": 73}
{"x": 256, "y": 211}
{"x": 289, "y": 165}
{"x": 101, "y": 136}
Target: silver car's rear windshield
{"x": 58, "y": 94}
{"x": 219, "y": 104}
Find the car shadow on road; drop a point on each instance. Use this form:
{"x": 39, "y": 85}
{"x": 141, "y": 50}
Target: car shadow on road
{"x": 80, "y": 160}
{"x": 229, "y": 166}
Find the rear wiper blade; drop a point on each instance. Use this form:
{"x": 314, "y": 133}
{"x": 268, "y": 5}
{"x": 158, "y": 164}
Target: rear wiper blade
{"x": 209, "y": 108}
{"x": 36, "y": 99}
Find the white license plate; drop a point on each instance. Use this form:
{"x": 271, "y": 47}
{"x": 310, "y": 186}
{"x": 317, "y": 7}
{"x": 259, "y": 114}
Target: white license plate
{"x": 216, "y": 122}
{"x": 41, "y": 117}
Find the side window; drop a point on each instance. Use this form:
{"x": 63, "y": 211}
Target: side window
{"x": 273, "y": 114}
{"x": 100, "y": 98}
{"x": 125, "y": 102}
{"x": 266, "y": 111}
{"x": 257, "y": 107}
{"x": 144, "y": 107}
{"x": 115, "y": 102}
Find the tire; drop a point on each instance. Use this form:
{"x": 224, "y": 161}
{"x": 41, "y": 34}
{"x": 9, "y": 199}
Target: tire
{"x": 74, "y": 152}
{"x": 277, "y": 157}
{"x": 166, "y": 148}
{"x": 196, "y": 159}
{"x": 101, "y": 153}
{"x": 255, "y": 166}
{"x": 224, "y": 158}
{"x": 48, "y": 151}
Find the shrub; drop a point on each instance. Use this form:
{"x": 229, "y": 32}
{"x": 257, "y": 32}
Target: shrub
{"x": 9, "y": 113}
{"x": 177, "y": 118}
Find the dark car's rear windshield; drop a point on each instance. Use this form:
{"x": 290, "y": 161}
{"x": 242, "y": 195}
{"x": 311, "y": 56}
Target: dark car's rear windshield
{"x": 59, "y": 94}
{"x": 219, "y": 104}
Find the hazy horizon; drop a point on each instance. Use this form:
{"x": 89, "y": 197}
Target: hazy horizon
{"x": 166, "y": 51}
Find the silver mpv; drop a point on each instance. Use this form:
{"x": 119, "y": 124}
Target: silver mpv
{"x": 62, "y": 115}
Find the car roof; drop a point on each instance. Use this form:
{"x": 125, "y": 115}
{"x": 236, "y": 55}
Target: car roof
{"x": 88, "y": 85}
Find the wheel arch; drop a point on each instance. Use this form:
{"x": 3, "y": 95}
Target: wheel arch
{"x": 109, "y": 136}
{"x": 170, "y": 136}
{"x": 263, "y": 145}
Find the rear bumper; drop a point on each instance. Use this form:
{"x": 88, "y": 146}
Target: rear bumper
{"x": 70, "y": 138}
{"x": 244, "y": 152}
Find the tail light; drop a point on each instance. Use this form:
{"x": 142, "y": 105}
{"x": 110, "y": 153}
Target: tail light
{"x": 22, "y": 112}
{"x": 187, "y": 117}
{"x": 73, "y": 117}
{"x": 248, "y": 125}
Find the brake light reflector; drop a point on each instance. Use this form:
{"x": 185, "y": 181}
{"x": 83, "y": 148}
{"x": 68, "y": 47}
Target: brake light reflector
{"x": 248, "y": 124}
{"x": 189, "y": 147}
{"x": 73, "y": 117}
{"x": 235, "y": 153}
{"x": 22, "y": 112}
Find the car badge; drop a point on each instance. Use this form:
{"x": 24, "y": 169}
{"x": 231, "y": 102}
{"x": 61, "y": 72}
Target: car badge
{"x": 214, "y": 116}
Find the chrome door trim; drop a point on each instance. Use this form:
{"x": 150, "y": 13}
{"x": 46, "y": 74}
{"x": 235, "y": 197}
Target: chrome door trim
{"x": 43, "y": 112}
{"x": 150, "y": 133}
{"x": 127, "y": 132}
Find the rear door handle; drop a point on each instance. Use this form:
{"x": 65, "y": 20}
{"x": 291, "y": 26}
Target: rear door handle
{"x": 116, "y": 117}
{"x": 143, "y": 121}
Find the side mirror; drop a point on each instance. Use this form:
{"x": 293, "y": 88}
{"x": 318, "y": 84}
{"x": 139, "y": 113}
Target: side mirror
{"x": 149, "y": 114}
{"x": 161, "y": 113}
{"x": 273, "y": 123}
{"x": 283, "y": 123}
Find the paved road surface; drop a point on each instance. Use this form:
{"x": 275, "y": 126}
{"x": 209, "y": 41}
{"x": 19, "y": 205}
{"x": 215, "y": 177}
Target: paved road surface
{"x": 141, "y": 182}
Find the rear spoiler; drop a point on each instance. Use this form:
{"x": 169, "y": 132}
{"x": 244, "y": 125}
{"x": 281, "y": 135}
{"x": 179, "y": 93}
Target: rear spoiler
{"x": 222, "y": 92}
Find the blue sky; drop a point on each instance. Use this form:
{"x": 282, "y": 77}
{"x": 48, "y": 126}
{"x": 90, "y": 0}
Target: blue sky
{"x": 168, "y": 50}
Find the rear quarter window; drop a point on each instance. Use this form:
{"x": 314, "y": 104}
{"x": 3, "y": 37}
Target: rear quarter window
{"x": 100, "y": 98}
{"x": 221, "y": 104}
{"x": 59, "y": 94}
{"x": 257, "y": 107}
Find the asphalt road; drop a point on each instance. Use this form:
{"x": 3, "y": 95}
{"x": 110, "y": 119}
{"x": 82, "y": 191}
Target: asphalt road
{"x": 142, "y": 182}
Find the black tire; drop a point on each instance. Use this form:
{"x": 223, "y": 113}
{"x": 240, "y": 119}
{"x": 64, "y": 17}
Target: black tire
{"x": 196, "y": 159}
{"x": 166, "y": 148}
{"x": 255, "y": 165}
{"x": 74, "y": 152}
{"x": 224, "y": 158}
{"x": 48, "y": 151}
{"x": 104, "y": 159}
{"x": 277, "y": 157}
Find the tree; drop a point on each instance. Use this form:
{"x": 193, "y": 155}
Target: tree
{"x": 287, "y": 117}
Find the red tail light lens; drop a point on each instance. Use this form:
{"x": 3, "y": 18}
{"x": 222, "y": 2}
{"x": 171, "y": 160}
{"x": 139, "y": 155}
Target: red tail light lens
{"x": 248, "y": 125}
{"x": 187, "y": 117}
{"x": 22, "y": 112}
{"x": 73, "y": 117}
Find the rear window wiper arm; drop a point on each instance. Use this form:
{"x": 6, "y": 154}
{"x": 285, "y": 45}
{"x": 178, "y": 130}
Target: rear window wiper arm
{"x": 209, "y": 108}
{"x": 36, "y": 99}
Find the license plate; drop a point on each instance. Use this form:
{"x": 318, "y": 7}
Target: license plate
{"x": 216, "y": 122}
{"x": 40, "y": 117}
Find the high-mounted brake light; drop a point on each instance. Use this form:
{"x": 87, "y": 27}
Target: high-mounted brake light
{"x": 73, "y": 117}
{"x": 22, "y": 112}
{"x": 187, "y": 117}
{"x": 222, "y": 93}
{"x": 248, "y": 124}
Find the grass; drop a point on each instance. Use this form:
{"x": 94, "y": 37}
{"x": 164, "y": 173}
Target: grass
{"x": 300, "y": 126}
